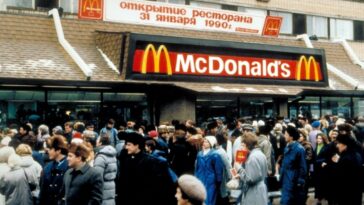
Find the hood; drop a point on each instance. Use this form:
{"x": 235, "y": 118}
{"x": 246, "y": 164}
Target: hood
{"x": 108, "y": 150}
{"x": 261, "y": 138}
{"x": 26, "y": 161}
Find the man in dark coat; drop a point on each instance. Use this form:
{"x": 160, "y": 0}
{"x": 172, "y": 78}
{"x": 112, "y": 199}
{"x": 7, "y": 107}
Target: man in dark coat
{"x": 143, "y": 179}
{"x": 179, "y": 155}
{"x": 52, "y": 177}
{"x": 24, "y": 136}
{"x": 83, "y": 184}
{"x": 348, "y": 172}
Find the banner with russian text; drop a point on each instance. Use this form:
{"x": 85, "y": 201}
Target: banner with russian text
{"x": 182, "y": 16}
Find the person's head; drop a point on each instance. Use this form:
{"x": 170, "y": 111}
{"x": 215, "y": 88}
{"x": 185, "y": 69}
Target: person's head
{"x": 110, "y": 124}
{"x": 77, "y": 154}
{"x": 344, "y": 128}
{"x": 321, "y": 138}
{"x": 104, "y": 139}
{"x": 221, "y": 138}
{"x": 344, "y": 142}
{"x": 57, "y": 130}
{"x": 23, "y": 150}
{"x": 43, "y": 129}
{"x": 190, "y": 123}
{"x": 291, "y": 134}
{"x": 303, "y": 134}
{"x": 57, "y": 147}
{"x": 190, "y": 191}
{"x": 90, "y": 126}
{"x": 209, "y": 142}
{"x": 163, "y": 131}
{"x": 333, "y": 135}
{"x": 316, "y": 125}
{"x": 278, "y": 128}
{"x": 134, "y": 143}
{"x": 250, "y": 140}
{"x": 89, "y": 136}
{"x": 24, "y": 129}
{"x": 150, "y": 146}
{"x": 68, "y": 127}
{"x": 5, "y": 153}
{"x": 212, "y": 127}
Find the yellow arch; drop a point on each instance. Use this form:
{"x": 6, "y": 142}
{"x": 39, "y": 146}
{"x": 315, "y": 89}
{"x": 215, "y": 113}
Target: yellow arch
{"x": 156, "y": 58}
{"x": 311, "y": 61}
{"x": 91, "y": 4}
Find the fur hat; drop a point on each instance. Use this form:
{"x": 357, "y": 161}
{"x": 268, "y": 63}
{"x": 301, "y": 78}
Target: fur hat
{"x": 192, "y": 187}
{"x": 58, "y": 142}
{"x": 162, "y": 129}
{"x": 345, "y": 127}
{"x": 135, "y": 139}
{"x": 80, "y": 150}
{"x": 5, "y": 152}
{"x": 345, "y": 139}
{"x": 212, "y": 140}
{"x": 212, "y": 125}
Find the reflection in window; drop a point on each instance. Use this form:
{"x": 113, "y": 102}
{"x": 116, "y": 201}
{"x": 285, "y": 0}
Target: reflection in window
{"x": 20, "y": 106}
{"x": 358, "y": 106}
{"x": 309, "y": 107}
{"x": 336, "y": 106}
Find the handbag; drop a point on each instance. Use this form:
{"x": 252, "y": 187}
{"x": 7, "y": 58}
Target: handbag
{"x": 32, "y": 185}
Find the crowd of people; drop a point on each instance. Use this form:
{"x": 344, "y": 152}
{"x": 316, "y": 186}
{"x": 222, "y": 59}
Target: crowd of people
{"x": 220, "y": 163}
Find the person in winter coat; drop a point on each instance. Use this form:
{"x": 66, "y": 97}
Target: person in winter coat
{"x": 32, "y": 168}
{"x": 223, "y": 196}
{"x": 277, "y": 140}
{"x": 320, "y": 171}
{"x": 105, "y": 161}
{"x": 253, "y": 173}
{"x": 209, "y": 169}
{"x": 190, "y": 191}
{"x": 14, "y": 185}
{"x": 293, "y": 171}
{"x": 348, "y": 172}
{"x": 5, "y": 152}
{"x": 180, "y": 152}
{"x": 358, "y": 130}
{"x": 265, "y": 145}
{"x": 51, "y": 182}
{"x": 111, "y": 131}
{"x": 143, "y": 179}
{"x": 83, "y": 184}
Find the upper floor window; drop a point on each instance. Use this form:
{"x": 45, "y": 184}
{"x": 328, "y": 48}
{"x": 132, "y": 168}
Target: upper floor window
{"x": 287, "y": 23}
{"x": 359, "y": 30}
{"x": 340, "y": 28}
{"x": 252, "y": 10}
{"x": 317, "y": 25}
{"x": 205, "y": 4}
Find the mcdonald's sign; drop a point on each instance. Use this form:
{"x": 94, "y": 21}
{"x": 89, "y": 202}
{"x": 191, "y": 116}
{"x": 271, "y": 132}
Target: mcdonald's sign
{"x": 90, "y": 9}
{"x": 272, "y": 26}
{"x": 307, "y": 65}
{"x": 172, "y": 58}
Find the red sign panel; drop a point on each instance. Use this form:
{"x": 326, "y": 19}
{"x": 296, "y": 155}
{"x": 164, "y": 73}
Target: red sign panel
{"x": 90, "y": 9}
{"x": 272, "y": 26}
{"x": 153, "y": 59}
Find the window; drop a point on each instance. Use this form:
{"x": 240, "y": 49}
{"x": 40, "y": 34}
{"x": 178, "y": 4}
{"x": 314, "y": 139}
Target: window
{"x": 286, "y": 27}
{"x": 299, "y": 24}
{"x": 317, "y": 25}
{"x": 309, "y": 107}
{"x": 358, "y": 106}
{"x": 69, "y": 6}
{"x": 359, "y": 30}
{"x": 252, "y": 11}
{"x": 229, "y": 7}
{"x": 340, "y": 28}
{"x": 17, "y": 3}
{"x": 205, "y": 4}
{"x": 336, "y": 106}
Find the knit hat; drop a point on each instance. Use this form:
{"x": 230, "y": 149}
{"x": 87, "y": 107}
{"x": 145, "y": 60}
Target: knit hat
{"x": 316, "y": 124}
{"x": 153, "y": 134}
{"x": 192, "y": 187}
{"x": 212, "y": 140}
{"x": 261, "y": 123}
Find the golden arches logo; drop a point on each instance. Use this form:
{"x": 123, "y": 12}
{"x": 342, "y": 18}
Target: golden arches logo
{"x": 90, "y": 4}
{"x": 307, "y": 63}
{"x": 272, "y": 26}
{"x": 156, "y": 58}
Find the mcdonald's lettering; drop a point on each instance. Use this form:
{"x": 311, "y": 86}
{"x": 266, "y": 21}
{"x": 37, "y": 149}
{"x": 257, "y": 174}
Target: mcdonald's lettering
{"x": 162, "y": 61}
{"x": 308, "y": 64}
{"x": 90, "y": 9}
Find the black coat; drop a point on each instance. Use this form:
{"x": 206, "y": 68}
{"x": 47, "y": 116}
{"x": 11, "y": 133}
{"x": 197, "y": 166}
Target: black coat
{"x": 51, "y": 182}
{"x": 179, "y": 157}
{"x": 278, "y": 145}
{"x": 321, "y": 179}
{"x": 83, "y": 187}
{"x": 143, "y": 179}
{"x": 348, "y": 178}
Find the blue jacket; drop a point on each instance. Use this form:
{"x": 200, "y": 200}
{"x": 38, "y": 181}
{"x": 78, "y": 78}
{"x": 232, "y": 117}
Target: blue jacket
{"x": 209, "y": 169}
{"x": 52, "y": 181}
{"x": 293, "y": 175}
{"x": 113, "y": 135}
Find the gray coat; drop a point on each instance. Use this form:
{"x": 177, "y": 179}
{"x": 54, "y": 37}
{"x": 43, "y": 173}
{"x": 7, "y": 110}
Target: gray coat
{"x": 15, "y": 188}
{"x": 254, "y": 190}
{"x": 105, "y": 161}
